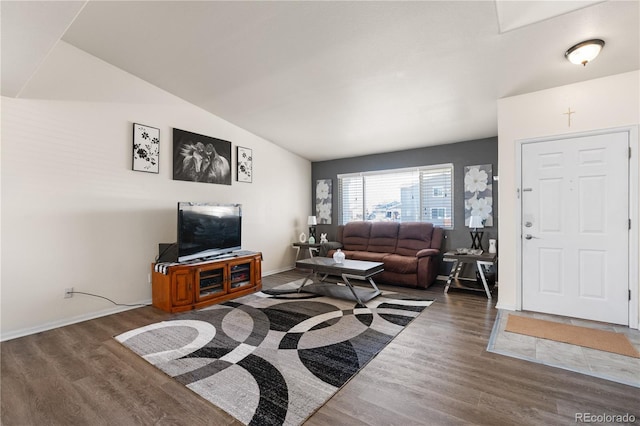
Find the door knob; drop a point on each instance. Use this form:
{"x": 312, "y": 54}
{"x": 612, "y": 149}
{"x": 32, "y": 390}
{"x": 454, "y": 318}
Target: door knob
{"x": 529, "y": 236}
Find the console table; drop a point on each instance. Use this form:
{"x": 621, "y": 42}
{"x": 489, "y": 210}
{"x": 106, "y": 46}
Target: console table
{"x": 459, "y": 260}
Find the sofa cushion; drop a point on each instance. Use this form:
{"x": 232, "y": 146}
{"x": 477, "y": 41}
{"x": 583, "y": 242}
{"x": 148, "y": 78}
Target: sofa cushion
{"x": 413, "y": 237}
{"x": 355, "y": 236}
{"x": 383, "y": 237}
{"x": 368, "y": 256}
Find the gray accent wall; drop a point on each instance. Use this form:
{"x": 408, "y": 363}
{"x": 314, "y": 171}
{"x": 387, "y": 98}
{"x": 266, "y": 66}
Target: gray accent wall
{"x": 461, "y": 154}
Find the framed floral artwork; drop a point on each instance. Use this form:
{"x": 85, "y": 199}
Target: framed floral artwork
{"x": 323, "y": 201}
{"x": 244, "y": 164}
{"x": 478, "y": 193}
{"x": 146, "y": 148}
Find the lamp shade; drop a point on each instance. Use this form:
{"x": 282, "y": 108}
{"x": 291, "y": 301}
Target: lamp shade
{"x": 476, "y": 222}
{"x": 311, "y": 220}
{"x": 584, "y": 52}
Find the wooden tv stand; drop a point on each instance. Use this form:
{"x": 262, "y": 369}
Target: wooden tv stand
{"x": 196, "y": 285}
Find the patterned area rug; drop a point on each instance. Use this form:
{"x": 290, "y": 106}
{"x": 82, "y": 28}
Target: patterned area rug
{"x": 273, "y": 357}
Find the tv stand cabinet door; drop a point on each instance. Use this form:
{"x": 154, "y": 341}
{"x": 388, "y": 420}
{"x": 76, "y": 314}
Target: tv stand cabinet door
{"x": 210, "y": 281}
{"x": 241, "y": 274}
{"x": 181, "y": 288}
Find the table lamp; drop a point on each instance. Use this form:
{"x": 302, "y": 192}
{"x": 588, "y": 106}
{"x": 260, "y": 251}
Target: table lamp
{"x": 312, "y": 221}
{"x": 475, "y": 222}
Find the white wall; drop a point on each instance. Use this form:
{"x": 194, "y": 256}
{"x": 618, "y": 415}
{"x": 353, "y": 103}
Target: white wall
{"x": 598, "y": 104}
{"x": 74, "y": 214}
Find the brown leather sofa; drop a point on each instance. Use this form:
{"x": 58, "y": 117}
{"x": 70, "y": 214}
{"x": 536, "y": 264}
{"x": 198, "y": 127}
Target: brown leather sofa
{"x": 410, "y": 251}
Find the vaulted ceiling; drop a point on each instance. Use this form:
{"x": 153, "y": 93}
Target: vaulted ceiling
{"x": 333, "y": 79}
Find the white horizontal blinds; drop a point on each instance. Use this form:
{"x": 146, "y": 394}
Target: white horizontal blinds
{"x": 351, "y": 198}
{"x": 391, "y": 195}
{"x": 437, "y": 195}
{"x": 402, "y": 195}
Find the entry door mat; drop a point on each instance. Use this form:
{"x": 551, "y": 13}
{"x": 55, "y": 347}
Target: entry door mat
{"x": 601, "y": 340}
{"x": 273, "y": 359}
{"x": 579, "y": 359}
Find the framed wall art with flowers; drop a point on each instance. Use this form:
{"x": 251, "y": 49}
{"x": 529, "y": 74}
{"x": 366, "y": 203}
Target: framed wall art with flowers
{"x": 146, "y": 148}
{"x": 478, "y": 193}
{"x": 244, "y": 163}
{"x": 323, "y": 201}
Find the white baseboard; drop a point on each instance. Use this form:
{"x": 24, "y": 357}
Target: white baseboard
{"x": 277, "y": 271}
{"x": 506, "y": 307}
{"x": 68, "y": 321}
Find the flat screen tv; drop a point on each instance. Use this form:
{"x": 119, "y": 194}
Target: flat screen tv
{"x": 208, "y": 229}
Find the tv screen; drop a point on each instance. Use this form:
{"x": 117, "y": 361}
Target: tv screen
{"x": 208, "y": 229}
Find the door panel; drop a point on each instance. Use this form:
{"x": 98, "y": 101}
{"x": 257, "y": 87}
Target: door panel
{"x": 551, "y": 271}
{"x": 182, "y": 289}
{"x": 592, "y": 205}
{"x": 551, "y": 205}
{"x": 593, "y": 267}
{"x": 575, "y": 203}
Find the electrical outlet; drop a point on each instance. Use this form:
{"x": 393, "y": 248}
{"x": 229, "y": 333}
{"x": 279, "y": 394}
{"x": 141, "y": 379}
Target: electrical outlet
{"x": 149, "y": 278}
{"x": 68, "y": 292}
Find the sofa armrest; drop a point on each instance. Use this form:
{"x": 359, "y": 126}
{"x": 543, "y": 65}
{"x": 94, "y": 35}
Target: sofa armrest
{"x": 328, "y": 246}
{"x": 427, "y": 252}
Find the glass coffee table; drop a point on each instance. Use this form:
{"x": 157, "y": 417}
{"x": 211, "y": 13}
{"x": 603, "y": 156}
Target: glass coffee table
{"x": 355, "y": 269}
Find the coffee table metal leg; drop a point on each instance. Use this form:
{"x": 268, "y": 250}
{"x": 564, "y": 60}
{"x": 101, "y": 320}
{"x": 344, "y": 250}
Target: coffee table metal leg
{"x": 375, "y": 287}
{"x": 305, "y": 280}
{"x": 346, "y": 277}
{"x": 346, "y": 281}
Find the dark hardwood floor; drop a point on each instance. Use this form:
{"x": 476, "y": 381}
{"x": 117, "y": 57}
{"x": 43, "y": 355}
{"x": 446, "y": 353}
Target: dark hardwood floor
{"x": 436, "y": 372}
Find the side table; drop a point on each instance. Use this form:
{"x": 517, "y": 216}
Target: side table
{"x": 459, "y": 260}
{"x": 312, "y": 248}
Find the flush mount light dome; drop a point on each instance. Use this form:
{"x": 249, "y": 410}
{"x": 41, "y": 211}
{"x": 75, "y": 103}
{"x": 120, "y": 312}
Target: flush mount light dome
{"x": 584, "y": 52}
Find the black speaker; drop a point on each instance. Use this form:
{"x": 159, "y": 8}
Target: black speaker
{"x": 167, "y": 252}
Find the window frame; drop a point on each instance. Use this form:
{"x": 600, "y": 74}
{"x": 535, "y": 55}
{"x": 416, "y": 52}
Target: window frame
{"x": 422, "y": 171}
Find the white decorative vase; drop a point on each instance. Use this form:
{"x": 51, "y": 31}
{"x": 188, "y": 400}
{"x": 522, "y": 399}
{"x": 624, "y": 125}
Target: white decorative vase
{"x": 338, "y": 256}
{"x": 492, "y": 246}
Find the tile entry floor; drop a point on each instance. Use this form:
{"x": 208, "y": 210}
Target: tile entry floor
{"x": 605, "y": 365}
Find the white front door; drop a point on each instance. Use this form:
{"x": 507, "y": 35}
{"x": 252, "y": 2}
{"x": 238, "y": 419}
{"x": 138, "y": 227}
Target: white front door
{"x": 575, "y": 227}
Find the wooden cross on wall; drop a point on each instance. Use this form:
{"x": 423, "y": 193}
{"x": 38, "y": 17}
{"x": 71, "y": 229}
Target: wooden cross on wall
{"x": 568, "y": 114}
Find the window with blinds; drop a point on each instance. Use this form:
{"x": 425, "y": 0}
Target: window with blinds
{"x": 423, "y": 194}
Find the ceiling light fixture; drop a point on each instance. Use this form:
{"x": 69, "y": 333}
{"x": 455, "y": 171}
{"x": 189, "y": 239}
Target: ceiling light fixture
{"x": 584, "y": 52}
